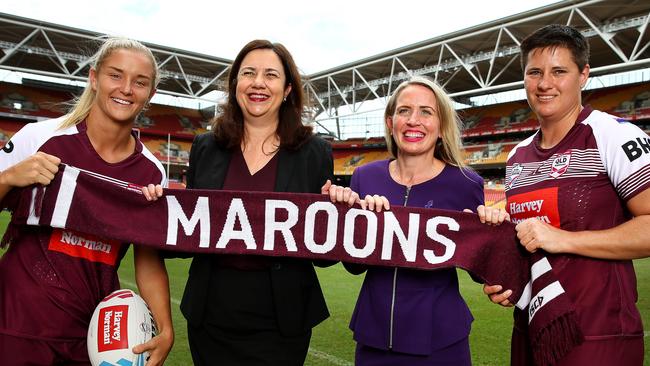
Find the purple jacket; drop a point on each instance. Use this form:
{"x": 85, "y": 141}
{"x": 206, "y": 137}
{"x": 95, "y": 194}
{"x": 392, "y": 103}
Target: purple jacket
{"x": 428, "y": 312}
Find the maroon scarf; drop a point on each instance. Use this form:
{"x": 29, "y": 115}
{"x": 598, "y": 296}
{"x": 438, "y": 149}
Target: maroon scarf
{"x": 307, "y": 226}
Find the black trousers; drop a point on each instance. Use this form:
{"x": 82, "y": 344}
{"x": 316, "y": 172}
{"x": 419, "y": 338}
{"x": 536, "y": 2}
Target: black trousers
{"x": 240, "y": 327}
{"x": 213, "y": 346}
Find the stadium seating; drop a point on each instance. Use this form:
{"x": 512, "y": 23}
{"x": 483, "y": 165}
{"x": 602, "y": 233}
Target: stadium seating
{"x": 17, "y": 99}
{"x": 347, "y": 160}
{"x": 491, "y": 133}
{"x": 177, "y": 125}
{"x": 498, "y": 119}
{"x": 177, "y": 152}
{"x": 495, "y": 196}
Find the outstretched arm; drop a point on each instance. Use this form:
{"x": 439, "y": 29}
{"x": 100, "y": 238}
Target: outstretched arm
{"x": 153, "y": 283}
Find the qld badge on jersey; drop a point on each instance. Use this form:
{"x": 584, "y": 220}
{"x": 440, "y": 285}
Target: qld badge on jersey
{"x": 514, "y": 173}
{"x": 560, "y": 164}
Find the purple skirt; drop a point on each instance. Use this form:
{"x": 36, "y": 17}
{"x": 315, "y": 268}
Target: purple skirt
{"x": 456, "y": 354}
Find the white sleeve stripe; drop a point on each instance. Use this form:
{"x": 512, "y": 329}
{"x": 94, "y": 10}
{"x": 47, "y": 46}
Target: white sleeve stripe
{"x": 630, "y": 184}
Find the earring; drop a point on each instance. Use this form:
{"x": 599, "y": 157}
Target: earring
{"x": 284, "y": 100}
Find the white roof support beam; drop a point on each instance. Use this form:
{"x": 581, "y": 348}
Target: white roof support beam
{"x": 390, "y": 78}
{"x": 494, "y": 55}
{"x": 496, "y": 77}
{"x": 188, "y": 89}
{"x": 372, "y": 88}
{"x": 439, "y": 62}
{"x": 606, "y": 36}
{"x": 408, "y": 71}
{"x": 10, "y": 51}
{"x": 60, "y": 61}
{"x": 212, "y": 81}
{"x": 341, "y": 94}
{"x": 642, "y": 30}
{"x": 315, "y": 97}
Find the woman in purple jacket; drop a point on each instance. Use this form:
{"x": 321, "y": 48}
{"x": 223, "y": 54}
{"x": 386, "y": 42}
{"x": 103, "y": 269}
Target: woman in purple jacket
{"x": 405, "y": 316}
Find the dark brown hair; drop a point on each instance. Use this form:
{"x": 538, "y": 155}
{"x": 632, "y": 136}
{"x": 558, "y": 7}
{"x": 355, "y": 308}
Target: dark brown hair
{"x": 228, "y": 126}
{"x": 553, "y": 36}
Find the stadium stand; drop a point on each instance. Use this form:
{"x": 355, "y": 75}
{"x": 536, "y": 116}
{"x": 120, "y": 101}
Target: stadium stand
{"x": 181, "y": 123}
{"x": 631, "y": 102}
{"x": 177, "y": 151}
{"x": 29, "y": 101}
{"x": 498, "y": 119}
{"x": 495, "y": 196}
{"x": 347, "y": 160}
{"x": 491, "y": 133}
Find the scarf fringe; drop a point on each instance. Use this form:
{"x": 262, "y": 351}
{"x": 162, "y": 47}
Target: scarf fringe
{"x": 557, "y": 339}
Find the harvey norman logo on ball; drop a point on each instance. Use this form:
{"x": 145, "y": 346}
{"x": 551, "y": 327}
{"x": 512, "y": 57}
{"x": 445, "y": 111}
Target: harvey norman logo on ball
{"x": 113, "y": 332}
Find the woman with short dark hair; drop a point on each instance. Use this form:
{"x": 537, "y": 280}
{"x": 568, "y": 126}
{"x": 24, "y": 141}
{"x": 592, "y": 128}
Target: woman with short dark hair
{"x": 590, "y": 171}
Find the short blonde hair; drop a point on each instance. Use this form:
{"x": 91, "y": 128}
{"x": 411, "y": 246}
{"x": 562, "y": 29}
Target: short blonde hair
{"x": 448, "y": 148}
{"x": 82, "y": 105}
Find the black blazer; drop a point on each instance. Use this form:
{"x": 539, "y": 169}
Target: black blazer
{"x": 298, "y": 298}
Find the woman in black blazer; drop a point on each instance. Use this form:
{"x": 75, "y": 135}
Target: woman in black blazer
{"x": 248, "y": 310}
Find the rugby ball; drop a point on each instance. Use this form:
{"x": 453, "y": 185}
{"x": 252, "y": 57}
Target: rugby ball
{"x": 121, "y": 321}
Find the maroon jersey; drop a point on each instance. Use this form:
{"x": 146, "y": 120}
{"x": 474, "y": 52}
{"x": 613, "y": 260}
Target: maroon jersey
{"x": 51, "y": 280}
{"x": 583, "y": 183}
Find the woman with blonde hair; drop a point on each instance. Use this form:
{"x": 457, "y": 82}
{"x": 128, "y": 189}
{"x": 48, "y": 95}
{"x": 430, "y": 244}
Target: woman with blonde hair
{"x": 405, "y": 316}
{"x": 48, "y": 288}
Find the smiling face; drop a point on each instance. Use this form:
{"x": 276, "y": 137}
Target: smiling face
{"x": 261, "y": 85}
{"x": 553, "y": 84}
{"x": 122, "y": 85}
{"x": 415, "y": 125}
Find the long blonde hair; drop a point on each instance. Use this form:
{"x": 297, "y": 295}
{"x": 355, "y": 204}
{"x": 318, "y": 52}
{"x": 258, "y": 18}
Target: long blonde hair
{"x": 82, "y": 105}
{"x": 448, "y": 147}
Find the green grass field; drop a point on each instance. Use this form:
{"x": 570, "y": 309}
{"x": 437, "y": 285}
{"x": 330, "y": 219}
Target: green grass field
{"x": 332, "y": 342}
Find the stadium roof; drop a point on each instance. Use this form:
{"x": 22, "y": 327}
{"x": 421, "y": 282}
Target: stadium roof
{"x": 48, "y": 49}
{"x": 475, "y": 61}
{"x": 485, "y": 59}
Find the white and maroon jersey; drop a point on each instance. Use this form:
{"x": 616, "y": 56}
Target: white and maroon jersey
{"x": 583, "y": 183}
{"x": 51, "y": 280}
